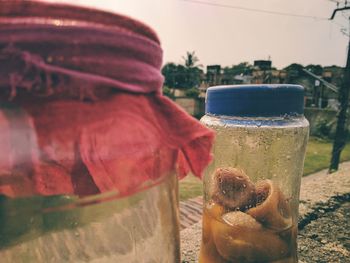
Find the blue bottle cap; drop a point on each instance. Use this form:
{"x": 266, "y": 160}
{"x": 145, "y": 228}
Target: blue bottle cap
{"x": 264, "y": 100}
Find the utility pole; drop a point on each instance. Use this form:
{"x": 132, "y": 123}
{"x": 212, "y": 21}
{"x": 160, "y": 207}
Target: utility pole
{"x": 341, "y": 131}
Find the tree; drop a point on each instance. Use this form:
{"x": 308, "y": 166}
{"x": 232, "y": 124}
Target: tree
{"x": 174, "y": 75}
{"x": 341, "y": 131}
{"x": 193, "y": 78}
{"x": 344, "y": 93}
{"x": 193, "y": 70}
{"x": 295, "y": 67}
{"x": 295, "y": 71}
{"x": 191, "y": 60}
{"x": 185, "y": 76}
{"x": 242, "y": 68}
{"x": 316, "y": 69}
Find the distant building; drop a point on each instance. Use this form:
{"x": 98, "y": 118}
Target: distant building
{"x": 317, "y": 94}
{"x": 214, "y": 69}
{"x": 214, "y": 75}
{"x": 263, "y": 64}
{"x": 271, "y": 76}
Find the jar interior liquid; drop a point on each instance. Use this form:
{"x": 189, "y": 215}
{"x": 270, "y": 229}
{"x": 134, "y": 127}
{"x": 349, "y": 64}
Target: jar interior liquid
{"x": 101, "y": 228}
{"x": 252, "y": 190}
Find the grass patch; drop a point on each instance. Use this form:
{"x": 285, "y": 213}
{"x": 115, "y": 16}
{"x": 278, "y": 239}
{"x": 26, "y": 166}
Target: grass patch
{"x": 318, "y": 155}
{"x": 190, "y": 187}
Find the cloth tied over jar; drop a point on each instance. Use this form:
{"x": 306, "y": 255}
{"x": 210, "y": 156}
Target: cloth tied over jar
{"x": 81, "y": 106}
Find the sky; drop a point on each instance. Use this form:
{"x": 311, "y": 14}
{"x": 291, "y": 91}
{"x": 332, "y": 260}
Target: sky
{"x": 228, "y": 36}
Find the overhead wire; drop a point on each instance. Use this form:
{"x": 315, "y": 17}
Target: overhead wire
{"x": 254, "y": 9}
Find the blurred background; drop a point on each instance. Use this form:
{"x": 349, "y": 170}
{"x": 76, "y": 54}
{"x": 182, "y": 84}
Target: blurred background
{"x": 225, "y": 42}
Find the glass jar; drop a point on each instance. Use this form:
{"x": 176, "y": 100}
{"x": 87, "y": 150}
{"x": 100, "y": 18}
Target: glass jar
{"x": 90, "y": 149}
{"x": 251, "y": 189}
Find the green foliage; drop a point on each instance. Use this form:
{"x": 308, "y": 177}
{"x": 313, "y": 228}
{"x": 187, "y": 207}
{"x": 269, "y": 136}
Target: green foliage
{"x": 242, "y": 68}
{"x": 193, "y": 77}
{"x": 323, "y": 129}
{"x": 190, "y": 187}
{"x": 318, "y": 155}
{"x": 174, "y": 75}
{"x": 294, "y": 66}
{"x": 316, "y": 69}
{"x": 192, "y": 93}
{"x": 185, "y": 76}
{"x": 167, "y": 92}
{"x": 295, "y": 69}
{"x": 191, "y": 60}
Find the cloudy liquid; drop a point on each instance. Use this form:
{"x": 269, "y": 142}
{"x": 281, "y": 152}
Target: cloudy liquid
{"x": 140, "y": 228}
{"x": 271, "y": 149}
{"x": 267, "y": 245}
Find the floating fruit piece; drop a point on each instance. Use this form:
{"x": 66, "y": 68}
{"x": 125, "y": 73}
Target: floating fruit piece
{"x": 237, "y": 220}
{"x": 206, "y": 229}
{"x": 207, "y": 256}
{"x": 289, "y": 234}
{"x": 208, "y": 253}
{"x": 240, "y": 238}
{"x": 233, "y": 189}
{"x": 211, "y": 212}
{"x": 290, "y": 237}
{"x": 272, "y": 208}
{"x": 215, "y": 210}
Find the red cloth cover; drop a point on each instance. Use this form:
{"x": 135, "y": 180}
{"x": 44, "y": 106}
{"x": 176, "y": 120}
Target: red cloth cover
{"x": 81, "y": 109}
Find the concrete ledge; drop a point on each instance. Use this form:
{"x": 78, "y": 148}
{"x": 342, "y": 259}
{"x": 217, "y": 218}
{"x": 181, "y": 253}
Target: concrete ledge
{"x": 318, "y": 191}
